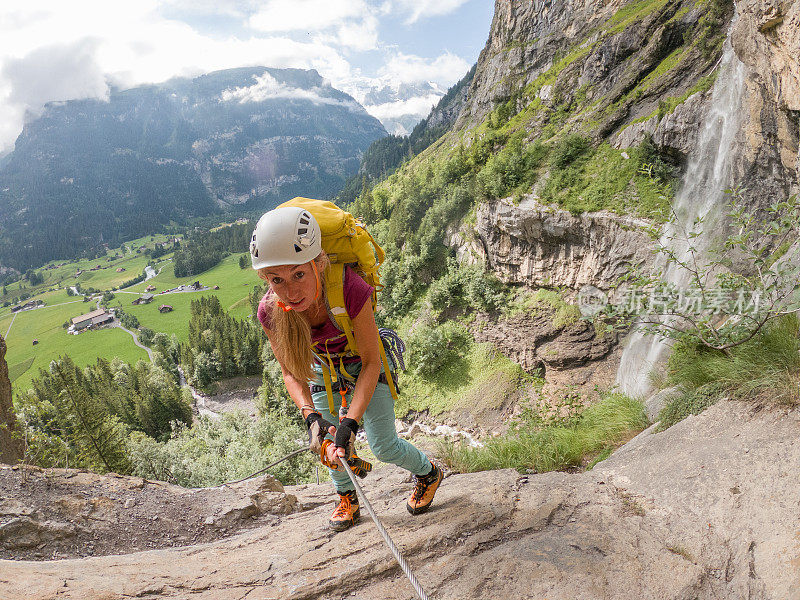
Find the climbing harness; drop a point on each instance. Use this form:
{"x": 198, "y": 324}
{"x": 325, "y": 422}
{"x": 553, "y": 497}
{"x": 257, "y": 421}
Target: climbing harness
{"x": 395, "y": 550}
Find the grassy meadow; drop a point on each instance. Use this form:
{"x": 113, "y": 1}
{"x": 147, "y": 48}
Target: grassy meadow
{"x": 234, "y": 285}
{"x": 59, "y": 275}
{"x": 45, "y": 324}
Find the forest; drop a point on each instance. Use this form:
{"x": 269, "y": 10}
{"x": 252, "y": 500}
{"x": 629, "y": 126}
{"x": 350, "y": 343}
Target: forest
{"x": 204, "y": 249}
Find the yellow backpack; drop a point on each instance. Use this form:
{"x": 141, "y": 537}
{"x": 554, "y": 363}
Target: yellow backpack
{"x": 346, "y": 242}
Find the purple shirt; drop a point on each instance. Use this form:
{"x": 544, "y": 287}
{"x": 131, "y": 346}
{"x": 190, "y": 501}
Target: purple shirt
{"x": 356, "y": 293}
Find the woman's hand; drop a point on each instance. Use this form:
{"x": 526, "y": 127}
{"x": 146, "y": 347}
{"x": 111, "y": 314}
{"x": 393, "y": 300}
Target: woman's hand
{"x": 345, "y": 438}
{"x": 318, "y": 428}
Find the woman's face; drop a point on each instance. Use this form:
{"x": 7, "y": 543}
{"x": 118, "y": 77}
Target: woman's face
{"x": 295, "y": 285}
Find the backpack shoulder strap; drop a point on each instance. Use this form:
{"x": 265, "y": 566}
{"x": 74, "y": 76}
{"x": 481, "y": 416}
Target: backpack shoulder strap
{"x": 334, "y": 283}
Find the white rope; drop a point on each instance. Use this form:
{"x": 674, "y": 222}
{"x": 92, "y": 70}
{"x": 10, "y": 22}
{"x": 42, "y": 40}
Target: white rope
{"x": 395, "y": 550}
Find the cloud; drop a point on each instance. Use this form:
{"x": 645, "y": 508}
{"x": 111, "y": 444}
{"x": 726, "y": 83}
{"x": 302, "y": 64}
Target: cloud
{"x": 422, "y": 9}
{"x": 445, "y": 69}
{"x": 55, "y": 50}
{"x": 55, "y": 73}
{"x": 128, "y": 43}
{"x": 419, "y": 107}
{"x": 268, "y": 88}
{"x": 349, "y": 23}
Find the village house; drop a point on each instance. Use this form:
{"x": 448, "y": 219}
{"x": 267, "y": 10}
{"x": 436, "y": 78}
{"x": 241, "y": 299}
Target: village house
{"x": 165, "y": 308}
{"x": 143, "y": 299}
{"x": 96, "y": 318}
{"x": 28, "y": 305}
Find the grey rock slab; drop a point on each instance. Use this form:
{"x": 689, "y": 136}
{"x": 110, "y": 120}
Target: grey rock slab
{"x": 685, "y": 513}
{"x": 655, "y": 403}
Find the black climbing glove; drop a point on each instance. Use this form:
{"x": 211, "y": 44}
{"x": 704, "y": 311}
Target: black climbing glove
{"x": 317, "y": 430}
{"x": 346, "y": 436}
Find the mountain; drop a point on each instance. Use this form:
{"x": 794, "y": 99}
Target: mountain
{"x": 242, "y": 139}
{"x": 386, "y": 154}
{"x": 400, "y": 106}
{"x": 633, "y": 77}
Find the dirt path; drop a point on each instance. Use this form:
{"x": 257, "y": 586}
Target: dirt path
{"x": 14, "y": 318}
{"x": 135, "y": 339}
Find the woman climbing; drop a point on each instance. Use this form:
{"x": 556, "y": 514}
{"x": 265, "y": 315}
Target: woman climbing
{"x": 286, "y": 251}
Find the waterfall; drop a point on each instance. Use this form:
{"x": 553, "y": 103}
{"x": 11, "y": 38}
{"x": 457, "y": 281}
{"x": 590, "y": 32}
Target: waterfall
{"x": 701, "y": 196}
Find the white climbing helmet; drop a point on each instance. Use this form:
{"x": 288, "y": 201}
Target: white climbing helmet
{"x": 285, "y": 236}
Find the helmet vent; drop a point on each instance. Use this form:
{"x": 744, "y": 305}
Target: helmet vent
{"x": 297, "y": 248}
{"x": 302, "y": 231}
{"x": 304, "y": 219}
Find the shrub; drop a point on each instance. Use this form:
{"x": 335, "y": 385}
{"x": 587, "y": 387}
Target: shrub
{"x": 213, "y": 452}
{"x": 766, "y": 367}
{"x": 568, "y": 150}
{"x": 466, "y": 287}
{"x": 512, "y": 168}
{"x": 691, "y": 402}
{"x": 433, "y": 348}
{"x": 146, "y": 335}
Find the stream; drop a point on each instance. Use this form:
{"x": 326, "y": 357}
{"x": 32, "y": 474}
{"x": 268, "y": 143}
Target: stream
{"x": 199, "y": 399}
{"x": 404, "y": 430}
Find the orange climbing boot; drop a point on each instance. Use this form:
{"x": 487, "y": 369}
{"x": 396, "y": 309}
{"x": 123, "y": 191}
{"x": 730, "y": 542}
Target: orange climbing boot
{"x": 424, "y": 489}
{"x": 347, "y": 513}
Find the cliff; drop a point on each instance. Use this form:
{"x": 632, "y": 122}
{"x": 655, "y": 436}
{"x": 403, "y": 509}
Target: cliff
{"x": 620, "y": 73}
{"x": 11, "y": 449}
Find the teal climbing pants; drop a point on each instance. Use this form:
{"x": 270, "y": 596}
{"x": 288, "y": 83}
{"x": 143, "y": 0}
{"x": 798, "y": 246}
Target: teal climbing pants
{"x": 377, "y": 423}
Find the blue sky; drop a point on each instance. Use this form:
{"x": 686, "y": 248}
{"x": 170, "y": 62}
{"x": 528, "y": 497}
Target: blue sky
{"x": 51, "y": 50}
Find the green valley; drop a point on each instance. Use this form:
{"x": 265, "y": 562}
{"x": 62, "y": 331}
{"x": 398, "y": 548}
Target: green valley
{"x": 45, "y": 324}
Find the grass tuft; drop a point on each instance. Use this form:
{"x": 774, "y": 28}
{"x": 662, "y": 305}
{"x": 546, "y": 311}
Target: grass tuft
{"x": 765, "y": 369}
{"x": 553, "y": 447}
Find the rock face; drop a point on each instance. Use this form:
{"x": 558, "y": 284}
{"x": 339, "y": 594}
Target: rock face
{"x": 11, "y": 449}
{"x": 593, "y": 46}
{"x": 523, "y": 41}
{"x": 543, "y": 246}
{"x": 705, "y": 510}
{"x": 65, "y": 513}
{"x": 640, "y": 69}
{"x": 535, "y": 342}
{"x": 675, "y": 132}
{"x": 766, "y": 38}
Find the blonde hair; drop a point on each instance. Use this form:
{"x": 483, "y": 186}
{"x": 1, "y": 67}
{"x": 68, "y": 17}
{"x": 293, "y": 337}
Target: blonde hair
{"x": 291, "y": 333}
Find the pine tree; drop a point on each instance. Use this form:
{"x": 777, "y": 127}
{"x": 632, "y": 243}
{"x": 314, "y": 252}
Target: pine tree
{"x": 98, "y": 435}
